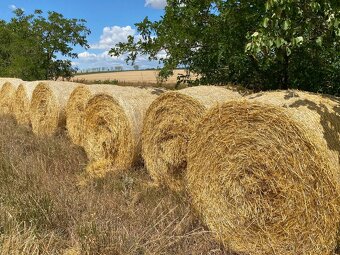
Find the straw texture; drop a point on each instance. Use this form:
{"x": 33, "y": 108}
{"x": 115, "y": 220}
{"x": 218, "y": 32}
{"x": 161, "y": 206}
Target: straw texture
{"x": 319, "y": 114}
{"x": 168, "y": 126}
{"x": 75, "y": 109}
{"x": 7, "y": 94}
{"x": 47, "y": 110}
{"x": 4, "y": 80}
{"x": 22, "y": 102}
{"x": 261, "y": 177}
{"x": 113, "y": 125}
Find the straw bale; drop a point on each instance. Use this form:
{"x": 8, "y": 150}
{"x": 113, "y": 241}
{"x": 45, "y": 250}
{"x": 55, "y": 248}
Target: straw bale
{"x": 113, "y": 124}
{"x": 22, "y": 102}
{"x": 263, "y": 173}
{"x": 168, "y": 126}
{"x": 75, "y": 108}
{"x": 47, "y": 109}
{"x": 7, "y": 94}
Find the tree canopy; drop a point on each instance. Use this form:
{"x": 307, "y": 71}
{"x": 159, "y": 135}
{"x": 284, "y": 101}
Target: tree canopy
{"x": 258, "y": 44}
{"x": 31, "y": 46}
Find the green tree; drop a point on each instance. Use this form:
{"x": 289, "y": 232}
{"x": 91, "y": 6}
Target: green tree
{"x": 204, "y": 36}
{"x": 303, "y": 37}
{"x": 259, "y": 44}
{"x": 24, "y": 51}
{"x": 5, "y": 42}
{"x": 58, "y": 35}
{"x": 32, "y": 44}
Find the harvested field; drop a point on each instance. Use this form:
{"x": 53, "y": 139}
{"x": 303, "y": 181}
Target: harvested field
{"x": 263, "y": 176}
{"x": 168, "y": 126}
{"x": 43, "y": 211}
{"x": 47, "y": 110}
{"x": 136, "y": 77}
{"x": 113, "y": 124}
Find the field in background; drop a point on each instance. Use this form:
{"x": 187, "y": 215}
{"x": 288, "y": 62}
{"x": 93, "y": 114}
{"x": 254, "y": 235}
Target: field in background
{"x": 45, "y": 208}
{"x": 134, "y": 77}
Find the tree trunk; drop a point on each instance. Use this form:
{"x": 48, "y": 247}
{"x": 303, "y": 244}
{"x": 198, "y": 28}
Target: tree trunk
{"x": 285, "y": 80}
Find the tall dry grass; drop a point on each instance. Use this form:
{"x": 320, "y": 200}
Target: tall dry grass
{"x": 44, "y": 211}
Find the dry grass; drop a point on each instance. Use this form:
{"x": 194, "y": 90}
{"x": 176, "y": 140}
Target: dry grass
{"x": 43, "y": 211}
{"x": 113, "y": 124}
{"x": 260, "y": 181}
{"x": 168, "y": 126}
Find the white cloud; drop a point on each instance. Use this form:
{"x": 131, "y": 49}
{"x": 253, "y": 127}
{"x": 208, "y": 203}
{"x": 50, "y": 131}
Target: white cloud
{"x": 86, "y": 55}
{"x": 12, "y": 7}
{"x": 88, "y": 60}
{"x": 162, "y": 55}
{"x": 112, "y": 36}
{"x": 157, "y": 4}
{"x": 98, "y": 54}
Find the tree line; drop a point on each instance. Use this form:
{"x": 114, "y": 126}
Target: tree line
{"x": 259, "y": 44}
{"x": 38, "y": 46}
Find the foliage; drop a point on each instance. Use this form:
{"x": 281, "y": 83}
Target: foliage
{"x": 258, "y": 44}
{"x": 31, "y": 45}
{"x": 303, "y": 37}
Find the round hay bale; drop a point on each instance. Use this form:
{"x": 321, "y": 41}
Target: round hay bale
{"x": 7, "y": 94}
{"x": 47, "y": 109}
{"x": 261, "y": 178}
{"x": 75, "y": 109}
{"x": 320, "y": 114}
{"x": 4, "y": 80}
{"x": 113, "y": 124}
{"x": 168, "y": 126}
{"x": 22, "y": 102}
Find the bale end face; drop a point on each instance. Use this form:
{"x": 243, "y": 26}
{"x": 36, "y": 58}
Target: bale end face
{"x": 7, "y": 96}
{"x": 108, "y": 134}
{"x": 166, "y": 131}
{"x": 44, "y": 111}
{"x": 260, "y": 184}
{"x": 75, "y": 114}
{"x": 21, "y": 106}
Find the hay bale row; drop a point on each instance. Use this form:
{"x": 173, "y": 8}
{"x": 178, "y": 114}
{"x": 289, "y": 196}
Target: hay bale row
{"x": 263, "y": 173}
{"x": 168, "y": 126}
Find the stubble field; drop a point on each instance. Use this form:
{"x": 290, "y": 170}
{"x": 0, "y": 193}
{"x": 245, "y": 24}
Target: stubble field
{"x": 136, "y": 77}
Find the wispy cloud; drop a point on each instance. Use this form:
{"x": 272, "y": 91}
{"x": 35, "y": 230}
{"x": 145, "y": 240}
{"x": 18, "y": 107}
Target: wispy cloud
{"x": 157, "y": 4}
{"x": 13, "y": 7}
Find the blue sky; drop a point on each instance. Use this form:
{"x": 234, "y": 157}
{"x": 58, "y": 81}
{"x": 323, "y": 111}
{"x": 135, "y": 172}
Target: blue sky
{"x": 110, "y": 21}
